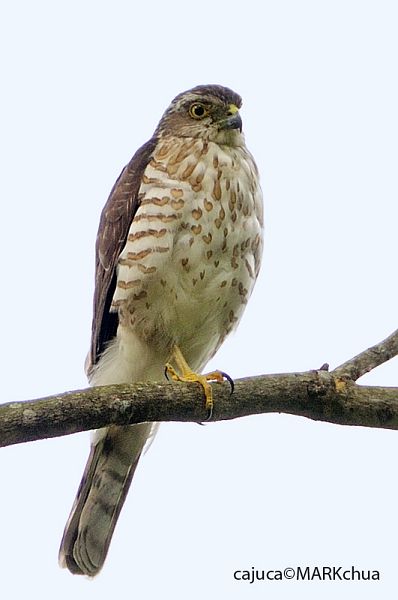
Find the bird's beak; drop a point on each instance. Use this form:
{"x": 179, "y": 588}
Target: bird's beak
{"x": 233, "y": 121}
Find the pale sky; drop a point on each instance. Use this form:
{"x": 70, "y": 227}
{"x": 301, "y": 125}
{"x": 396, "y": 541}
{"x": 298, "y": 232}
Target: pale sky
{"x": 83, "y": 86}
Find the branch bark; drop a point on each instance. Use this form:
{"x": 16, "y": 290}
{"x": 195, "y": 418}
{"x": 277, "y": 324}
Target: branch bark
{"x": 319, "y": 395}
{"x": 369, "y": 359}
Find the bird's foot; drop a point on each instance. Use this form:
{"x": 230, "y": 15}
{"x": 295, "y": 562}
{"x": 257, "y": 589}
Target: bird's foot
{"x": 187, "y": 375}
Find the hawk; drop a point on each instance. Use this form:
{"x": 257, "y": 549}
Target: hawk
{"x": 177, "y": 255}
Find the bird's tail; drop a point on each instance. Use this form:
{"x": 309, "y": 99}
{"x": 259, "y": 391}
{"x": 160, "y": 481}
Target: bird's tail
{"x": 106, "y": 480}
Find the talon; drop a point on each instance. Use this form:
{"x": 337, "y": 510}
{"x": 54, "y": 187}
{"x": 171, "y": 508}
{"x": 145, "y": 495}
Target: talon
{"x": 230, "y": 381}
{"x": 189, "y": 376}
{"x": 209, "y": 415}
{"x": 170, "y": 371}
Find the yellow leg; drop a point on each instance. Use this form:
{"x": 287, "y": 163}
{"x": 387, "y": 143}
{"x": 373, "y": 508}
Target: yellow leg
{"x": 186, "y": 374}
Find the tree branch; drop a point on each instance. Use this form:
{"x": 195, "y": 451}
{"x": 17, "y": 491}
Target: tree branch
{"x": 369, "y": 359}
{"x": 319, "y": 395}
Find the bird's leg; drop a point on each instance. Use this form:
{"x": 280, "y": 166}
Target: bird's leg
{"x": 186, "y": 374}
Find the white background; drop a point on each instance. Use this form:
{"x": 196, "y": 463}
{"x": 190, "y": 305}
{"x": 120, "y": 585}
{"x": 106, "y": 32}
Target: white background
{"x": 83, "y": 86}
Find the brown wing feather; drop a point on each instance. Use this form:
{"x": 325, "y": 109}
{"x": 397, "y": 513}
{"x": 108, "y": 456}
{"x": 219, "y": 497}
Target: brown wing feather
{"x": 113, "y": 229}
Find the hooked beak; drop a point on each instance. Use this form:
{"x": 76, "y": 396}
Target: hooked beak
{"x": 233, "y": 121}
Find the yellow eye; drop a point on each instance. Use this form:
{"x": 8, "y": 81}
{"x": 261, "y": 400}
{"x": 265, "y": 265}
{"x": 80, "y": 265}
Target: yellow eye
{"x": 198, "y": 111}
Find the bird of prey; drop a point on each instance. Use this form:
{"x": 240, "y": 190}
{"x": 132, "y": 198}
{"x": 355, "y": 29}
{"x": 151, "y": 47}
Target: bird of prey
{"x": 177, "y": 255}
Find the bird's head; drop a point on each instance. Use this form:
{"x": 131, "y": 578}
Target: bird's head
{"x": 210, "y": 112}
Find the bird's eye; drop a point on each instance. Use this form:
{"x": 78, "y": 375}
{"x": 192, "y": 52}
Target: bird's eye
{"x": 198, "y": 111}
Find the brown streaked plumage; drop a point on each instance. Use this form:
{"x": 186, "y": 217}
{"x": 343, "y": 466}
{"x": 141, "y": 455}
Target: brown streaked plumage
{"x": 177, "y": 254}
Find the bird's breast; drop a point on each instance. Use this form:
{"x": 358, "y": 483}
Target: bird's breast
{"x": 194, "y": 246}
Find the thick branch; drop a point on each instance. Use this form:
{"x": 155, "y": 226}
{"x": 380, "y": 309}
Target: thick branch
{"x": 317, "y": 395}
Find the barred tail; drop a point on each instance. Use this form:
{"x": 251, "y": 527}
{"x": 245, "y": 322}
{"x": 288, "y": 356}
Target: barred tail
{"x": 106, "y": 480}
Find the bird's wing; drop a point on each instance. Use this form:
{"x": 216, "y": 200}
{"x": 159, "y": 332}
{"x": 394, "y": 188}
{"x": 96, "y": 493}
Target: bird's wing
{"x": 113, "y": 229}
